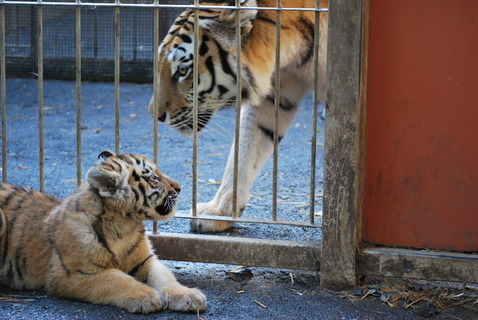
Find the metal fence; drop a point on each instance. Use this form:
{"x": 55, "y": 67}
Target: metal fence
{"x": 75, "y": 49}
{"x": 97, "y": 37}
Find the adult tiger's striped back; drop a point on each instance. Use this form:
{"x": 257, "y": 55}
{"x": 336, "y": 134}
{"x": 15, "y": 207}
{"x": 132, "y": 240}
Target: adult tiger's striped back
{"x": 217, "y": 66}
{"x": 92, "y": 246}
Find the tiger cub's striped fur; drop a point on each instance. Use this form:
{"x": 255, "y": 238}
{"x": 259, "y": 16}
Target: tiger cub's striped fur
{"x": 218, "y": 76}
{"x": 92, "y": 246}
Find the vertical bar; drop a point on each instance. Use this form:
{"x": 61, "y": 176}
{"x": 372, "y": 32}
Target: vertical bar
{"x": 3, "y": 92}
{"x": 135, "y": 13}
{"x": 155, "y": 93}
{"x": 33, "y": 35}
{"x": 17, "y": 22}
{"x": 117, "y": 76}
{"x": 313, "y": 142}
{"x": 155, "y": 83}
{"x": 41, "y": 155}
{"x": 196, "y": 106}
{"x": 238, "y": 110}
{"x": 78, "y": 93}
{"x": 95, "y": 33}
{"x": 276, "y": 112}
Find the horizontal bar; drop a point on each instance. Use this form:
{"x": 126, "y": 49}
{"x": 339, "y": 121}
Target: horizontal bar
{"x": 152, "y": 5}
{"x": 238, "y": 251}
{"x": 418, "y": 264}
{"x": 182, "y": 215}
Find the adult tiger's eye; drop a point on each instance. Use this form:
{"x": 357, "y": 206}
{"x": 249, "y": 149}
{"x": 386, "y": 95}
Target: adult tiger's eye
{"x": 182, "y": 70}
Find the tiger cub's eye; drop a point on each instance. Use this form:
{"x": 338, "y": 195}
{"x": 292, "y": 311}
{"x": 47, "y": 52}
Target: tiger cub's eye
{"x": 155, "y": 181}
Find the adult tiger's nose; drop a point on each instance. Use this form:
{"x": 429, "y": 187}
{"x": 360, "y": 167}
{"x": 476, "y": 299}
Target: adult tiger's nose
{"x": 162, "y": 117}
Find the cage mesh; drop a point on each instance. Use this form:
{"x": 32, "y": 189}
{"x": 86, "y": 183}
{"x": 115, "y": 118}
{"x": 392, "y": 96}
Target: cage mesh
{"x": 97, "y": 40}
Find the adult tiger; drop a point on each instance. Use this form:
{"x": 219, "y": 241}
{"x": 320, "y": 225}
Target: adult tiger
{"x": 217, "y": 65}
{"x": 92, "y": 246}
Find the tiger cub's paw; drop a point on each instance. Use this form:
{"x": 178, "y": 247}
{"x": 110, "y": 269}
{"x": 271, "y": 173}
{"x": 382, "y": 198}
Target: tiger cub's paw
{"x": 209, "y": 225}
{"x": 145, "y": 303}
{"x": 184, "y": 299}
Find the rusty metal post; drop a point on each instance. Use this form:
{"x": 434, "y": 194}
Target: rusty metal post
{"x": 41, "y": 155}
{"x": 155, "y": 94}
{"x": 235, "y": 208}
{"x": 196, "y": 107}
{"x": 315, "y": 98}
{"x": 276, "y": 112}
{"x": 78, "y": 93}
{"x": 117, "y": 14}
{"x": 3, "y": 92}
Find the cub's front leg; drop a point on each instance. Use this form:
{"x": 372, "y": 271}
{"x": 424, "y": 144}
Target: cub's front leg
{"x": 174, "y": 295}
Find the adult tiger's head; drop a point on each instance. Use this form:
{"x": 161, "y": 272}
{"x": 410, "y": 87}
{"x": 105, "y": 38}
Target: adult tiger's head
{"x": 217, "y": 65}
{"x": 133, "y": 185}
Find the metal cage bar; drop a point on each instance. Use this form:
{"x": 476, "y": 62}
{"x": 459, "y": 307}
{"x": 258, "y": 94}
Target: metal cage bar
{"x": 248, "y": 220}
{"x": 155, "y": 84}
{"x": 146, "y": 5}
{"x": 41, "y": 145}
{"x": 313, "y": 142}
{"x": 117, "y": 75}
{"x": 196, "y": 107}
{"x": 277, "y": 94}
{"x": 3, "y": 92}
{"x": 155, "y": 95}
{"x": 78, "y": 93}
{"x": 237, "y": 134}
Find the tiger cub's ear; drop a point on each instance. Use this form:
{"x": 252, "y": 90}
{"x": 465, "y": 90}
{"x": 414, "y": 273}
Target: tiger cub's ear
{"x": 108, "y": 183}
{"x": 103, "y": 156}
{"x": 223, "y": 26}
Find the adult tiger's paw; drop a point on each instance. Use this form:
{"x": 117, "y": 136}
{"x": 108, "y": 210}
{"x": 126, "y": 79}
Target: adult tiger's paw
{"x": 204, "y": 226}
{"x": 184, "y": 299}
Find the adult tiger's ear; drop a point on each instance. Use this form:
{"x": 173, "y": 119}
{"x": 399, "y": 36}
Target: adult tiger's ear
{"x": 103, "y": 156}
{"x": 223, "y": 26}
{"x": 108, "y": 183}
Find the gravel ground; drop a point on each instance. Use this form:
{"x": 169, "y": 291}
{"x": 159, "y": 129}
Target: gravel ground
{"x": 283, "y": 294}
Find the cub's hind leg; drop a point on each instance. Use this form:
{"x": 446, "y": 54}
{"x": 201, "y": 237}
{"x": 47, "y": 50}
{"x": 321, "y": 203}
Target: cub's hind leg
{"x": 111, "y": 287}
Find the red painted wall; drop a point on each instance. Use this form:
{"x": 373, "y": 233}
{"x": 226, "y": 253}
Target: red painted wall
{"x": 421, "y": 176}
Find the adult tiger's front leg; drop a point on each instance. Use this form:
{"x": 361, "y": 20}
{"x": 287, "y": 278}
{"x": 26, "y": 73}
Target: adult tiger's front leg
{"x": 256, "y": 144}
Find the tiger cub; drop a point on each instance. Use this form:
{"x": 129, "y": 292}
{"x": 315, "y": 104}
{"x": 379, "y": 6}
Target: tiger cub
{"x": 92, "y": 246}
